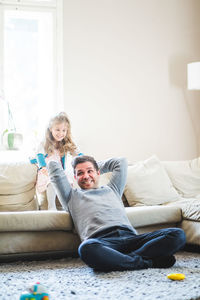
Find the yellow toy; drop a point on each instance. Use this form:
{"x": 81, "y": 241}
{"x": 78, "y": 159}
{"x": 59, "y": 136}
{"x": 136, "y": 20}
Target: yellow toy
{"x": 176, "y": 276}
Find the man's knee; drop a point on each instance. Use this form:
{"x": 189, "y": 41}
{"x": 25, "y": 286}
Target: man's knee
{"x": 90, "y": 252}
{"x": 86, "y": 248}
{"x": 178, "y": 235}
{"x": 182, "y": 237}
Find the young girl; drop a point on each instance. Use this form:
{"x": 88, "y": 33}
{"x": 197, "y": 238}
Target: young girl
{"x": 57, "y": 144}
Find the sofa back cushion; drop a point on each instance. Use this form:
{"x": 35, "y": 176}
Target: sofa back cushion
{"x": 17, "y": 177}
{"x": 17, "y": 183}
{"x": 149, "y": 184}
{"x": 185, "y": 176}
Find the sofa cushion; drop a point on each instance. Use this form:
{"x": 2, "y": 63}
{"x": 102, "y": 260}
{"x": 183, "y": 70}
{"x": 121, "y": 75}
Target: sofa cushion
{"x": 185, "y": 176}
{"x": 19, "y": 202}
{"x": 17, "y": 182}
{"x": 149, "y": 184}
{"x": 190, "y": 209}
{"x": 191, "y": 230}
{"x": 16, "y": 176}
{"x": 35, "y": 221}
{"x": 151, "y": 215}
{"x": 28, "y": 243}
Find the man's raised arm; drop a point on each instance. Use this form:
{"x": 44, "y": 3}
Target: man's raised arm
{"x": 60, "y": 182}
{"x": 118, "y": 167}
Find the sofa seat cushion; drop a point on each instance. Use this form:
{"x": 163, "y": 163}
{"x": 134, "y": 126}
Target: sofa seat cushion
{"x": 35, "y": 221}
{"x": 151, "y": 215}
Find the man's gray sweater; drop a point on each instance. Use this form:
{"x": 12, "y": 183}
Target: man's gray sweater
{"x": 94, "y": 210}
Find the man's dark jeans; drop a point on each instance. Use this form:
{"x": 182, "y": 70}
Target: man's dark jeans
{"x": 122, "y": 249}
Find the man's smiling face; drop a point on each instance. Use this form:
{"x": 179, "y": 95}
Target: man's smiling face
{"x": 87, "y": 176}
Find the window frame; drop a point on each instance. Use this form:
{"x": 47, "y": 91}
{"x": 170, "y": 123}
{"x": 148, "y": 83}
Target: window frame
{"x": 48, "y": 3}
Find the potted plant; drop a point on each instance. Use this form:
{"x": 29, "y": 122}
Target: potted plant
{"x": 11, "y": 139}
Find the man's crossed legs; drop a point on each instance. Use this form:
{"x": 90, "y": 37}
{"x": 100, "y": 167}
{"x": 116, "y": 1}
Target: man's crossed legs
{"x": 121, "y": 249}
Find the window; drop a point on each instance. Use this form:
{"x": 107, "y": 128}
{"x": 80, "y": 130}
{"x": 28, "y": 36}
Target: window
{"x": 31, "y": 63}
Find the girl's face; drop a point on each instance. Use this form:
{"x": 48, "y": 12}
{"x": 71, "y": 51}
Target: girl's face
{"x": 59, "y": 131}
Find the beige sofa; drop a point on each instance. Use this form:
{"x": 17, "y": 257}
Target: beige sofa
{"x": 157, "y": 195}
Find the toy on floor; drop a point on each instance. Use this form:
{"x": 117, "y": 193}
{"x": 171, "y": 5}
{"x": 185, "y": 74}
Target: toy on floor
{"x": 176, "y": 276}
{"x": 35, "y": 291}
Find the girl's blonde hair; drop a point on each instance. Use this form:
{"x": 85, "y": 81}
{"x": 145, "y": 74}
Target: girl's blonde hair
{"x": 64, "y": 146}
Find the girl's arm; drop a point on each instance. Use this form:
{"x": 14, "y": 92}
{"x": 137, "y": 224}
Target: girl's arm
{"x": 76, "y": 152}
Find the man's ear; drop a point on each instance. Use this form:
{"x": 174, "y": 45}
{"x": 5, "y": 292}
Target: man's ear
{"x": 98, "y": 172}
{"x": 75, "y": 174}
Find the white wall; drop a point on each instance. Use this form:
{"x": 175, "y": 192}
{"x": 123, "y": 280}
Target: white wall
{"x": 125, "y": 77}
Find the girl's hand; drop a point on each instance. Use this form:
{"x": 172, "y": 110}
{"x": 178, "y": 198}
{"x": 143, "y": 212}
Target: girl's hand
{"x": 44, "y": 171}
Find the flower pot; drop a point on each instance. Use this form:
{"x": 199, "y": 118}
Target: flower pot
{"x": 12, "y": 140}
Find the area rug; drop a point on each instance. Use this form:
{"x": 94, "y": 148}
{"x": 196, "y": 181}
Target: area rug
{"x": 69, "y": 278}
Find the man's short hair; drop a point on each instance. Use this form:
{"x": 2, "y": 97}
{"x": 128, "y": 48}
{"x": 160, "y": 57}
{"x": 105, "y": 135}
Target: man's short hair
{"x": 84, "y": 158}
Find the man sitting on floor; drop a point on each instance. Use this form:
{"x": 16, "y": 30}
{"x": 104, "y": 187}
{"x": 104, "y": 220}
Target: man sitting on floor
{"x": 109, "y": 242}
